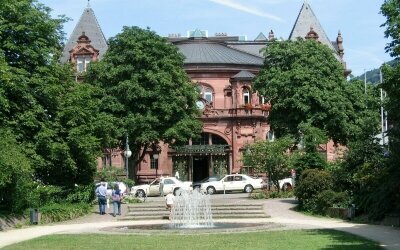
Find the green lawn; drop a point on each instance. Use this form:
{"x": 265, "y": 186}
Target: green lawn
{"x": 299, "y": 239}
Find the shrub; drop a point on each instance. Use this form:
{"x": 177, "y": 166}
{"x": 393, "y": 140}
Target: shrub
{"x": 63, "y": 211}
{"x": 311, "y": 183}
{"x": 330, "y": 198}
{"x": 81, "y": 194}
{"x": 44, "y": 194}
{"x": 109, "y": 174}
{"x": 130, "y": 199}
{"x": 267, "y": 194}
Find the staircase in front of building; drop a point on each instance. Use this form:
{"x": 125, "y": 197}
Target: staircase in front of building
{"x": 157, "y": 211}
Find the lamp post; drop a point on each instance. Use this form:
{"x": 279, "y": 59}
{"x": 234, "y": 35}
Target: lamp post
{"x": 155, "y": 157}
{"x": 127, "y": 154}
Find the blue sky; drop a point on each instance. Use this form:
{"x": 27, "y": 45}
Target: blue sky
{"x": 358, "y": 21}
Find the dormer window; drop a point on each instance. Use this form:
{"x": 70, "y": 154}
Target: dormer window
{"x": 82, "y": 63}
{"x": 83, "y": 53}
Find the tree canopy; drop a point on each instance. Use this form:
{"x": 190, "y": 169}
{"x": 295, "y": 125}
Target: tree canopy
{"x": 391, "y": 10}
{"x": 145, "y": 90}
{"x": 270, "y": 157}
{"x": 305, "y": 84}
{"x": 51, "y": 120}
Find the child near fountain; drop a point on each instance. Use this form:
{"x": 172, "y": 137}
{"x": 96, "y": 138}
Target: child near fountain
{"x": 169, "y": 199}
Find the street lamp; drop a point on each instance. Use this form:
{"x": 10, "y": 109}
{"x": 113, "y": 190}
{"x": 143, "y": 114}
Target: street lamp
{"x": 155, "y": 157}
{"x": 127, "y": 154}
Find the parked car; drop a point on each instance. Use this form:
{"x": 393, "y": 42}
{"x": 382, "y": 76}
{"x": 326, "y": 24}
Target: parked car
{"x": 233, "y": 182}
{"x": 197, "y": 184}
{"x": 286, "y": 184}
{"x": 153, "y": 189}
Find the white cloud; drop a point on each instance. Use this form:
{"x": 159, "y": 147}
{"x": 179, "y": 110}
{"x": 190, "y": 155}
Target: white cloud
{"x": 243, "y": 8}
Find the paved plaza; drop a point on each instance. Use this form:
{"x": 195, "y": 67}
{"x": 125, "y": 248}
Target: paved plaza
{"x": 279, "y": 210}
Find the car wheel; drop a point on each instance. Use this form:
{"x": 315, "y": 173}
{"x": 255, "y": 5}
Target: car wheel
{"x": 177, "y": 191}
{"x": 286, "y": 187}
{"x": 140, "y": 193}
{"x": 210, "y": 190}
{"x": 197, "y": 188}
{"x": 248, "y": 189}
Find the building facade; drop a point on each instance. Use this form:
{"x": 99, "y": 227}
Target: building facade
{"x": 233, "y": 114}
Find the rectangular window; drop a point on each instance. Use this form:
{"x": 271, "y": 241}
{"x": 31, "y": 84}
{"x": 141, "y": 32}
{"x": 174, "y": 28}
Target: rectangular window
{"x": 82, "y": 63}
{"x": 80, "y": 67}
{"x": 153, "y": 163}
{"x": 106, "y": 159}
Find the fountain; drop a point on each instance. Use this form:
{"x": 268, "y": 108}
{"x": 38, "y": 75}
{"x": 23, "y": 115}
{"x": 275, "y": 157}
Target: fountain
{"x": 192, "y": 210}
{"x": 191, "y": 213}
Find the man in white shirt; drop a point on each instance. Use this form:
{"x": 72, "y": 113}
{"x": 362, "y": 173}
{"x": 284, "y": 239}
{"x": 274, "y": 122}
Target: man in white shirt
{"x": 101, "y": 192}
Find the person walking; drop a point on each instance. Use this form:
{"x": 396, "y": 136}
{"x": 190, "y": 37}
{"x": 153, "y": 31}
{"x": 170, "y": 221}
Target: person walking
{"x": 116, "y": 198}
{"x": 169, "y": 200}
{"x": 101, "y": 192}
{"x": 161, "y": 188}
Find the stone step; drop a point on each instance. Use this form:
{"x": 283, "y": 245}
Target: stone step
{"x": 217, "y": 211}
{"x": 131, "y": 209}
{"x": 216, "y": 216}
{"x": 216, "y": 206}
{"x": 220, "y": 210}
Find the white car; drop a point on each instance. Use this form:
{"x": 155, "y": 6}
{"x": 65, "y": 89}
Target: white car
{"x": 233, "y": 182}
{"x": 286, "y": 184}
{"x": 153, "y": 189}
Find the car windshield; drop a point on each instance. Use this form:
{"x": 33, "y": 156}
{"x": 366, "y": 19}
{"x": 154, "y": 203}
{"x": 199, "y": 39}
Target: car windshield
{"x": 210, "y": 178}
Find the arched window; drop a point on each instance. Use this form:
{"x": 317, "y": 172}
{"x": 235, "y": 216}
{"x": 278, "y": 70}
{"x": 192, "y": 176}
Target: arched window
{"x": 208, "y": 95}
{"x": 246, "y": 96}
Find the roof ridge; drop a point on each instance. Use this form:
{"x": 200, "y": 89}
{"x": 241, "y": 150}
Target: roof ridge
{"x": 243, "y": 51}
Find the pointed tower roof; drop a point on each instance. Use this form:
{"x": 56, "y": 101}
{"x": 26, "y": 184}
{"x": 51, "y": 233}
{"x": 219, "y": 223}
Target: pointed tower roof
{"x": 261, "y": 37}
{"x": 91, "y": 28}
{"x": 306, "y": 20}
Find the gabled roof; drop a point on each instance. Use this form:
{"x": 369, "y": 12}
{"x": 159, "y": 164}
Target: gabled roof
{"x": 206, "y": 52}
{"x": 306, "y": 20}
{"x": 243, "y": 75}
{"x": 88, "y": 24}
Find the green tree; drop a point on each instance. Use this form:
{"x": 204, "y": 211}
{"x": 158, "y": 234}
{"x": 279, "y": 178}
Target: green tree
{"x": 309, "y": 156}
{"x": 305, "y": 84}
{"x": 270, "y": 157}
{"x": 15, "y": 174}
{"x": 391, "y": 10}
{"x": 145, "y": 90}
{"x": 54, "y": 122}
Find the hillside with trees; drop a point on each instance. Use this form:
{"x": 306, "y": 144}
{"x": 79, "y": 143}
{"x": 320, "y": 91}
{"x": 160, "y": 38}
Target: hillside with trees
{"x": 373, "y": 76}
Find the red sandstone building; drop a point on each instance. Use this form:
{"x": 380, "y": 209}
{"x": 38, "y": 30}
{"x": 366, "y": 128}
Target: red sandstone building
{"x": 233, "y": 115}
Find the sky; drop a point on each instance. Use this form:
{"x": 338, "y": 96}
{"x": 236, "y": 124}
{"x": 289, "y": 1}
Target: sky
{"x": 358, "y": 21}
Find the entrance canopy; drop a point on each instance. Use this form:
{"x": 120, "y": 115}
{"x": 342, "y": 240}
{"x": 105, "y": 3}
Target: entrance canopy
{"x": 201, "y": 150}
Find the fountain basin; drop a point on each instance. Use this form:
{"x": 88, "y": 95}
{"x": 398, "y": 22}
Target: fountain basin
{"x": 168, "y": 228}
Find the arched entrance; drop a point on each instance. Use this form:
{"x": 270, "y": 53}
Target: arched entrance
{"x": 206, "y": 156}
